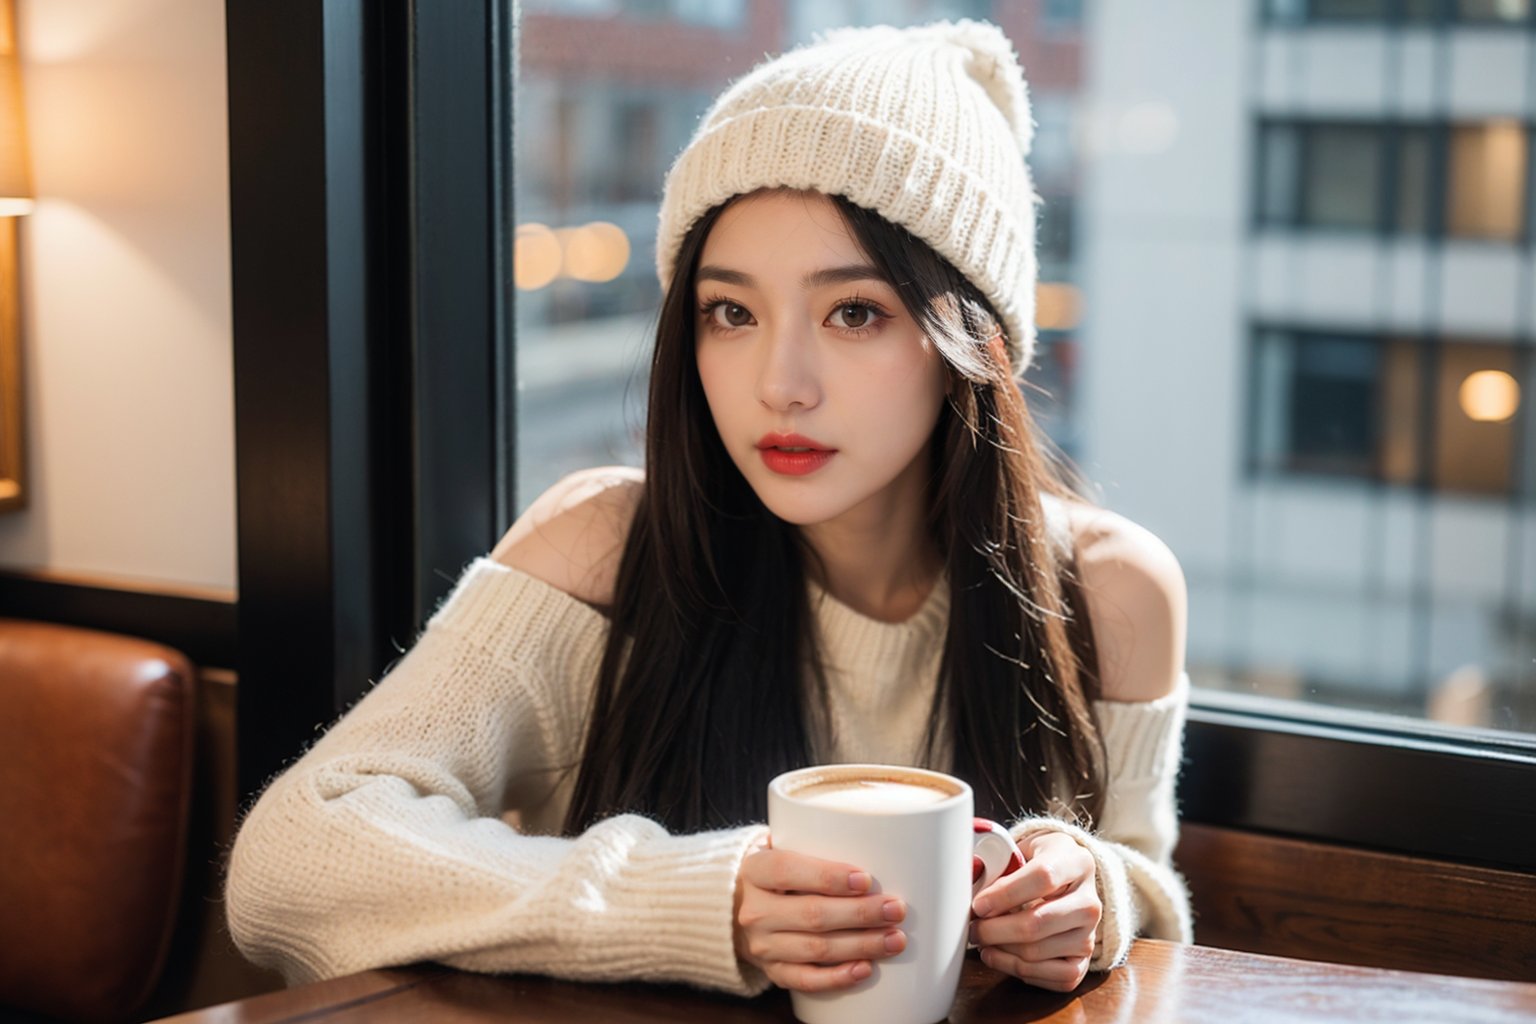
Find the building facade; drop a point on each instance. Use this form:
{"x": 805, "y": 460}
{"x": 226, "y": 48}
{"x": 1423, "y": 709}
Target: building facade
{"x": 1309, "y": 272}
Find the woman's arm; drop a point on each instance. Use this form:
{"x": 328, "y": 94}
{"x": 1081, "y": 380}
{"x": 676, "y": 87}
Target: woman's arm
{"x": 1126, "y": 884}
{"x": 384, "y": 844}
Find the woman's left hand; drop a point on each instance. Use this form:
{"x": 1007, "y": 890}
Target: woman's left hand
{"x": 1038, "y": 923}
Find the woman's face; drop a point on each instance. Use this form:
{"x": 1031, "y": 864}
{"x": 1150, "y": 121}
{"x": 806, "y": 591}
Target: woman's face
{"x": 798, "y": 335}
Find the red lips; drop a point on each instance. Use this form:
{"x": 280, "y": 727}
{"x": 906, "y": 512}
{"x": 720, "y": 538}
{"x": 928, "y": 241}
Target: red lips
{"x": 793, "y": 454}
{"x": 792, "y": 441}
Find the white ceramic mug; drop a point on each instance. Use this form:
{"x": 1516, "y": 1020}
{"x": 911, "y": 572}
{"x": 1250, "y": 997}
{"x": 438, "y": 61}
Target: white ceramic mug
{"x": 925, "y": 847}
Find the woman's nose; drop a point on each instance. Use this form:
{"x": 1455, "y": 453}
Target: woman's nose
{"x": 787, "y": 375}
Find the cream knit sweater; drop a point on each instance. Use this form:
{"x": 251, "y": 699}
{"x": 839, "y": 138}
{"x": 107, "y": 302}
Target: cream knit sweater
{"x": 385, "y": 844}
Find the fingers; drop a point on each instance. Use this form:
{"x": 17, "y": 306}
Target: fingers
{"x": 825, "y": 947}
{"x": 1075, "y": 945}
{"x": 802, "y": 913}
{"x": 811, "y": 978}
{"x": 783, "y": 871}
{"x": 1059, "y": 975}
{"x": 813, "y": 925}
{"x": 1073, "y": 912}
{"x": 1056, "y": 864}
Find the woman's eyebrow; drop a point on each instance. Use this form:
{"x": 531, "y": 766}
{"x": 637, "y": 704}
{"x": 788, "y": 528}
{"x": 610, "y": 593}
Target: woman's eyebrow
{"x": 814, "y": 279}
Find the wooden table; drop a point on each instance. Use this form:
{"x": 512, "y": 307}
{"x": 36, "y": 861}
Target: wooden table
{"x": 1164, "y": 982}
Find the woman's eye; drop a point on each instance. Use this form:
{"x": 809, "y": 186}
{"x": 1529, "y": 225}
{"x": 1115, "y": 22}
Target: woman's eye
{"x": 853, "y": 316}
{"x": 729, "y": 314}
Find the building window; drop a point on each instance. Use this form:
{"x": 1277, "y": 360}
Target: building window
{"x": 1411, "y": 204}
{"x": 1477, "y": 408}
{"x": 1318, "y": 404}
{"x": 1341, "y": 176}
{"x": 1347, "y": 10}
{"x": 723, "y": 14}
{"x": 1061, "y": 15}
{"x": 1486, "y": 194}
{"x": 1382, "y": 177}
{"x": 1510, "y": 11}
{"x": 1356, "y": 406}
{"x": 1480, "y": 12}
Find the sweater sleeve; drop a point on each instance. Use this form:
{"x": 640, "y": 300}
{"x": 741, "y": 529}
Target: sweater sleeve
{"x": 1132, "y": 846}
{"x": 383, "y": 844}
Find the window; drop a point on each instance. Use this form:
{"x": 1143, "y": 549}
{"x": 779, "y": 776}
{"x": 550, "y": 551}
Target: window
{"x": 1477, "y": 409}
{"x": 1363, "y": 177}
{"x": 723, "y": 14}
{"x": 1322, "y": 415}
{"x": 1061, "y": 15}
{"x": 1347, "y": 10}
{"x": 1280, "y": 156}
{"x": 1411, "y": 206}
{"x": 1488, "y": 181}
{"x": 1479, "y": 12}
{"x": 1356, "y": 406}
{"x": 1341, "y": 173}
{"x": 1346, "y": 526}
{"x": 1513, "y": 11}
{"x": 604, "y": 104}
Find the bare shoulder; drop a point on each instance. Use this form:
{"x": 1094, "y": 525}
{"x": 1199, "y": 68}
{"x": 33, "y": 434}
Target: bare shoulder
{"x": 573, "y": 536}
{"x": 1137, "y": 602}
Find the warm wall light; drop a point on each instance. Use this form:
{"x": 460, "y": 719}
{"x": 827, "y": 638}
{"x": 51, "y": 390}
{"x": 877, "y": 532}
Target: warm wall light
{"x": 15, "y": 198}
{"x": 1489, "y": 396}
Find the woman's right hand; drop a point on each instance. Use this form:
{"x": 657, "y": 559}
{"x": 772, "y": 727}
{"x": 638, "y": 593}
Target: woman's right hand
{"x": 812, "y": 925}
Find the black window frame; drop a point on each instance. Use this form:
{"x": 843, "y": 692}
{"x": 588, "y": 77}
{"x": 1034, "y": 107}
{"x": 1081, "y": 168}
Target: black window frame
{"x": 369, "y": 149}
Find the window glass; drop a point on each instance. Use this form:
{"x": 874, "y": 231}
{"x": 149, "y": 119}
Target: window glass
{"x": 1355, "y": 406}
{"x": 1525, "y": 459}
{"x": 1063, "y": 14}
{"x": 609, "y": 92}
{"x": 1286, "y": 10}
{"x": 1402, "y": 402}
{"x": 1326, "y": 411}
{"x": 1493, "y": 10}
{"x": 1487, "y": 180}
{"x": 1288, "y": 410}
{"x": 1478, "y": 398}
{"x": 1342, "y": 176}
{"x": 1280, "y": 155}
{"x": 1347, "y": 10}
{"x": 1412, "y": 206}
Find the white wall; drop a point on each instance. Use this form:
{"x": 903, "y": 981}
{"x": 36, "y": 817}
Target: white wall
{"x": 126, "y": 295}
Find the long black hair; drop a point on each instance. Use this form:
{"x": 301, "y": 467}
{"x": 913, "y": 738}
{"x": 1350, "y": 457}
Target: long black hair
{"x": 703, "y": 693}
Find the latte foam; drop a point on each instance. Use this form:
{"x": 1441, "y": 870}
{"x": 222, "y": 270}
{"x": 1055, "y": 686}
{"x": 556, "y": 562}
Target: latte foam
{"x": 871, "y": 796}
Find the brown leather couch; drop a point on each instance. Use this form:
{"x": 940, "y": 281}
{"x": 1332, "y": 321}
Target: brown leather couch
{"x": 96, "y": 753}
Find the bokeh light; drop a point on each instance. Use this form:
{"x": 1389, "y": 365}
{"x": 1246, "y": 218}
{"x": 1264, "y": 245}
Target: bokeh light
{"x": 595, "y": 252}
{"x": 535, "y": 256}
{"x": 1489, "y": 396}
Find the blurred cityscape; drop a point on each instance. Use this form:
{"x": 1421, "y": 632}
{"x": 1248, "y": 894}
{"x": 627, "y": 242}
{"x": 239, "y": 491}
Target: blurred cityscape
{"x": 1286, "y": 301}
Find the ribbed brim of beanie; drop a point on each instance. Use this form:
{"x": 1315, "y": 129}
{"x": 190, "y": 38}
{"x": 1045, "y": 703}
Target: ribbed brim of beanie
{"x": 928, "y": 127}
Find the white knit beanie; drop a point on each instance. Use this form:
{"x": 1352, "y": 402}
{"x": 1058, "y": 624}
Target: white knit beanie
{"x": 928, "y": 127}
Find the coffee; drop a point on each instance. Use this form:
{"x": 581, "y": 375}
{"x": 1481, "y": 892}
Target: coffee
{"x": 873, "y": 795}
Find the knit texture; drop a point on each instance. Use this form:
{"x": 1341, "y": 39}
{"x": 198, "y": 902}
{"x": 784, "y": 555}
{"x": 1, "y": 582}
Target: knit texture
{"x": 387, "y": 843}
{"x": 928, "y": 127}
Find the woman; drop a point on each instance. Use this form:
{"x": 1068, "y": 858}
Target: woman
{"x": 846, "y": 547}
